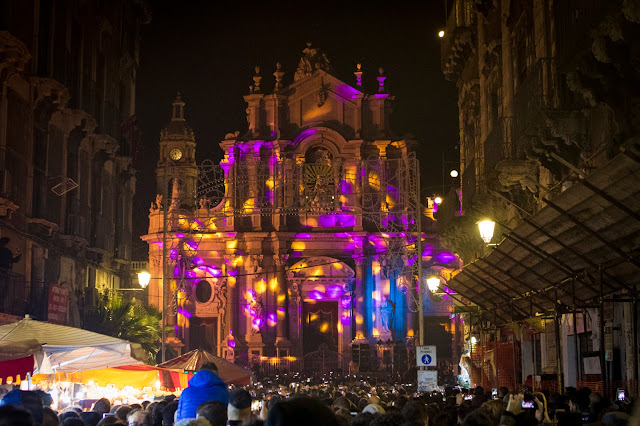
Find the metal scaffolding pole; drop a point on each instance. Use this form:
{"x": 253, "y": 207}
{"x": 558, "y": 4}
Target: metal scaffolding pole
{"x": 419, "y": 258}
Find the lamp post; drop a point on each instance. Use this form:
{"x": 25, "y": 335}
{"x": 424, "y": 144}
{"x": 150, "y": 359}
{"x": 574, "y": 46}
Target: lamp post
{"x": 143, "y": 279}
{"x": 486, "y": 228}
{"x": 433, "y": 283}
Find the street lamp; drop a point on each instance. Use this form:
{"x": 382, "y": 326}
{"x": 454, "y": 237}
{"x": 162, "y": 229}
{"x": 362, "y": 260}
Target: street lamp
{"x": 143, "y": 278}
{"x": 433, "y": 283}
{"x": 438, "y": 200}
{"x": 441, "y": 33}
{"x": 486, "y": 228}
{"x": 453, "y": 173}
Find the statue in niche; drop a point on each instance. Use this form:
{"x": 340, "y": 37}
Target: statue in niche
{"x": 387, "y": 314}
{"x": 319, "y": 179}
{"x": 176, "y": 195}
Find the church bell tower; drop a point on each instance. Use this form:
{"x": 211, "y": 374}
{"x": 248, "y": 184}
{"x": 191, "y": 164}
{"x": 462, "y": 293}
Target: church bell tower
{"x": 176, "y": 171}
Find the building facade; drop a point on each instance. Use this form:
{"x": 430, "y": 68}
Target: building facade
{"x": 68, "y": 141}
{"x": 548, "y": 116}
{"x": 303, "y": 238}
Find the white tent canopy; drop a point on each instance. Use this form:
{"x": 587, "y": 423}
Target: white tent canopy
{"x": 71, "y": 349}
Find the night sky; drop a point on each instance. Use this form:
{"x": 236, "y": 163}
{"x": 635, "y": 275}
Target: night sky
{"x": 208, "y": 49}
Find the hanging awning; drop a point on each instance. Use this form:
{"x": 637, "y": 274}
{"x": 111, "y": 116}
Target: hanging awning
{"x": 71, "y": 349}
{"x": 584, "y": 244}
{"x": 229, "y": 372}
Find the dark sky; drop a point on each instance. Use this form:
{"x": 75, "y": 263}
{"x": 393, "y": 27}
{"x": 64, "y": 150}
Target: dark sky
{"x": 207, "y": 49}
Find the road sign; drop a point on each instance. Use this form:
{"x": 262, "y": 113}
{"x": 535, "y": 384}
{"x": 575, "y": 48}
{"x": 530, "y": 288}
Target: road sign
{"x": 426, "y": 356}
{"x": 427, "y": 380}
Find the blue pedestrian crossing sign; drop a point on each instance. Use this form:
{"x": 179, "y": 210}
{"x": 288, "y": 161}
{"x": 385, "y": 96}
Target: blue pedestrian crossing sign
{"x": 426, "y": 356}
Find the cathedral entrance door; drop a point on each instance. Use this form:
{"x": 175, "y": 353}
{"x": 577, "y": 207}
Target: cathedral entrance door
{"x": 319, "y": 325}
{"x": 203, "y": 334}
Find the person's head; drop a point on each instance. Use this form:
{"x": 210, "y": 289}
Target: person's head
{"x": 239, "y": 407}
{"x": 102, "y": 406}
{"x": 139, "y": 418}
{"x": 13, "y": 416}
{"x": 4, "y": 241}
{"x": 156, "y": 413}
{"x": 67, "y": 414}
{"x": 214, "y": 411}
{"x": 478, "y": 418}
{"x": 209, "y": 366}
{"x": 73, "y": 421}
{"x": 90, "y": 418}
{"x": 301, "y": 411}
{"x": 49, "y": 417}
{"x": 169, "y": 412}
{"x": 362, "y": 419}
{"x": 26, "y": 400}
{"x": 123, "y": 412}
{"x": 502, "y": 392}
{"x": 415, "y": 413}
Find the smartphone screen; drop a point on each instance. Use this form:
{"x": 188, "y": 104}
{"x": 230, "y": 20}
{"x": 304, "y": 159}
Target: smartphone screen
{"x": 468, "y": 397}
{"x": 255, "y": 405}
{"x": 494, "y": 393}
{"x": 621, "y": 395}
{"x": 527, "y": 404}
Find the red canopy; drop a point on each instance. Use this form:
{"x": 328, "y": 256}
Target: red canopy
{"x": 229, "y": 372}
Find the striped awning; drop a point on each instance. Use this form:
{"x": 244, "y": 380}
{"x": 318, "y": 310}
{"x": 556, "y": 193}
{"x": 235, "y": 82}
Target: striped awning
{"x": 71, "y": 349}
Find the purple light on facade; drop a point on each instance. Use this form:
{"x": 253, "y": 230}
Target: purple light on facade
{"x": 173, "y": 253}
{"x": 445, "y": 257}
{"x": 316, "y": 295}
{"x": 392, "y": 190}
{"x": 176, "y": 271}
{"x": 184, "y": 313}
{"x": 192, "y": 244}
{"x": 428, "y": 250}
{"x": 233, "y": 273}
{"x": 345, "y": 187}
{"x": 271, "y": 320}
{"x": 198, "y": 261}
{"x": 179, "y": 235}
{"x": 336, "y": 220}
{"x": 231, "y": 344}
{"x": 335, "y": 291}
{"x": 345, "y": 302}
{"x": 303, "y": 235}
{"x": 257, "y": 322}
{"x": 191, "y": 274}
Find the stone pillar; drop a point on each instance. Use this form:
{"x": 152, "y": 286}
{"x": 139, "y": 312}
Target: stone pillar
{"x": 507, "y": 70}
{"x": 252, "y": 157}
{"x": 359, "y": 302}
{"x": 283, "y": 344}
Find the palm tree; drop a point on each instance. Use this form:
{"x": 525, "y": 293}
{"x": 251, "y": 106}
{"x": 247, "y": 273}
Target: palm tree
{"x": 128, "y": 320}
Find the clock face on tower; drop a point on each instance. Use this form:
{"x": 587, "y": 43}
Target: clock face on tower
{"x": 175, "y": 154}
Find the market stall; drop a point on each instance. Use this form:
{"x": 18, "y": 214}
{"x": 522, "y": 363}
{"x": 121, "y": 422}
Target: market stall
{"x": 19, "y": 359}
{"x": 181, "y": 369}
{"x": 71, "y": 349}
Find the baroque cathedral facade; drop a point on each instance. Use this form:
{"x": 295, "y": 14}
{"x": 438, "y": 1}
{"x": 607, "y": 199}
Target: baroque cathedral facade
{"x": 302, "y": 238}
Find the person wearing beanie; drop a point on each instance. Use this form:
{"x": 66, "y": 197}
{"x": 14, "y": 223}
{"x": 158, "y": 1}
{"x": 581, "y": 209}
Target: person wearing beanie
{"x": 239, "y": 408}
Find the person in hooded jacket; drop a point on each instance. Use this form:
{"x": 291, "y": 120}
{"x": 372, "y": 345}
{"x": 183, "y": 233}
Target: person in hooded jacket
{"x": 204, "y": 386}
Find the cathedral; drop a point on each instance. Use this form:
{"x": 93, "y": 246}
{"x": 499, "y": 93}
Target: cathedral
{"x": 303, "y": 238}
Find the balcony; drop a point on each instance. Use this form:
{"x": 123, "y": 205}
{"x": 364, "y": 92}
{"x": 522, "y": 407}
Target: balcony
{"x": 544, "y": 106}
{"x": 459, "y": 38}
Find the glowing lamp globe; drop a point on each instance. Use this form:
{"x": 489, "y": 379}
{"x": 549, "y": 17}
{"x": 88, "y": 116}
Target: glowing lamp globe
{"x": 433, "y": 283}
{"x": 144, "y": 278}
{"x": 486, "y": 228}
{"x": 453, "y": 173}
{"x": 438, "y": 200}
{"x": 441, "y": 33}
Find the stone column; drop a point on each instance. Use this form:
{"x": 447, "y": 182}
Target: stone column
{"x": 359, "y": 302}
{"x": 283, "y": 345}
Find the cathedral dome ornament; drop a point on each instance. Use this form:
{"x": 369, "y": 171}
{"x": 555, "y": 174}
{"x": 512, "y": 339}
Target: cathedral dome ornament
{"x": 312, "y": 59}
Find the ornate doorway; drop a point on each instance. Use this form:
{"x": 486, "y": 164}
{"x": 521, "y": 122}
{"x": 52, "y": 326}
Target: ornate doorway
{"x": 319, "y": 326}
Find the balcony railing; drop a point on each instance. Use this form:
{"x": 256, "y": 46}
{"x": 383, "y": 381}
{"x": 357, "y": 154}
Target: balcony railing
{"x": 19, "y": 296}
{"x": 538, "y": 92}
{"x": 459, "y": 23}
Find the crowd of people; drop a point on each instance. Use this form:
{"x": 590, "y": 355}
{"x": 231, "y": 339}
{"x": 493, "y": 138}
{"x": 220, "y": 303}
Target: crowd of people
{"x": 292, "y": 399}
